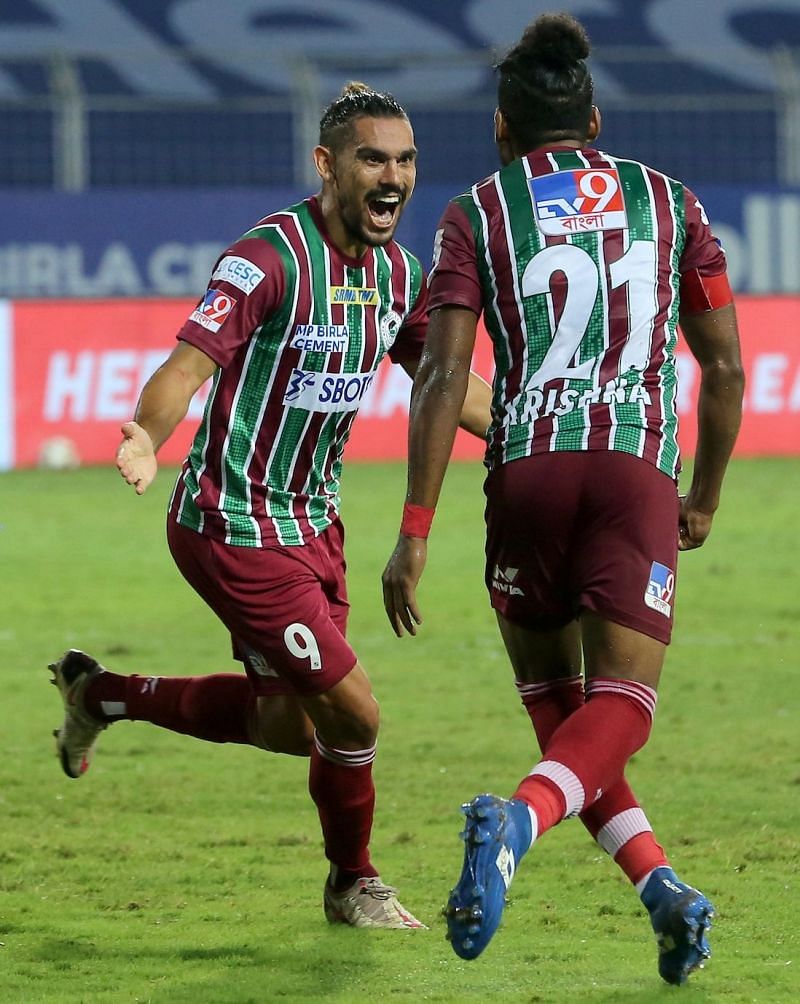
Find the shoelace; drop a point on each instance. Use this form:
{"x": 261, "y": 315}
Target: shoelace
{"x": 377, "y": 890}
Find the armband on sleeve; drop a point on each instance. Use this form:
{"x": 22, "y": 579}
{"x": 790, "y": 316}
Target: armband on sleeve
{"x": 700, "y": 293}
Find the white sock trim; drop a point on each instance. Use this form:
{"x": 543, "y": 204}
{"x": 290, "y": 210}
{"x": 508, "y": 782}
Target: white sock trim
{"x": 568, "y": 782}
{"x": 548, "y": 686}
{"x": 534, "y": 825}
{"x": 639, "y": 886}
{"x": 621, "y": 828}
{"x": 643, "y": 695}
{"x": 345, "y": 758}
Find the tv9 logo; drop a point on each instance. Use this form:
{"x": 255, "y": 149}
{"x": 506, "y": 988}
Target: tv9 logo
{"x": 213, "y": 310}
{"x": 660, "y": 588}
{"x": 577, "y": 201}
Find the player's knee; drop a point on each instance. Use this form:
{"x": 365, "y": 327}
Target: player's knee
{"x": 360, "y": 727}
{"x": 352, "y": 726}
{"x": 279, "y": 725}
{"x": 292, "y": 743}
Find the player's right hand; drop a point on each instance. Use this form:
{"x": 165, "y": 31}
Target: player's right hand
{"x": 694, "y": 525}
{"x": 136, "y": 458}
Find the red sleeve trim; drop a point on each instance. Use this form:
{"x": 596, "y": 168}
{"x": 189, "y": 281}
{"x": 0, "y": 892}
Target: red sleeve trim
{"x": 700, "y": 293}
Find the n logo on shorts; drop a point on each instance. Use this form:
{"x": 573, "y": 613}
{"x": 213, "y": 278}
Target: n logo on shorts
{"x": 503, "y": 581}
{"x": 257, "y": 662}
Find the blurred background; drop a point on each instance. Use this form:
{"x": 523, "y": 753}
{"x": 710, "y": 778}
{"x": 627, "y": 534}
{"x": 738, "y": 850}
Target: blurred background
{"x": 142, "y": 136}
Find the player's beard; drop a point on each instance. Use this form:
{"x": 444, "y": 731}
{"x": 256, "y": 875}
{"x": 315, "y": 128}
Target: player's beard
{"x": 353, "y": 214}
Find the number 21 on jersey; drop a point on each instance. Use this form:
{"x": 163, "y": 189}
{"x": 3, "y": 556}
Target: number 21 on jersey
{"x": 636, "y": 269}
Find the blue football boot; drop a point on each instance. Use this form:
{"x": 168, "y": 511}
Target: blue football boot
{"x": 497, "y": 834}
{"x": 681, "y": 917}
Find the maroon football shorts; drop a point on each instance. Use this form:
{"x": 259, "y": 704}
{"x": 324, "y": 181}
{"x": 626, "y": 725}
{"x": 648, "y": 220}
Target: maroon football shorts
{"x": 593, "y": 530}
{"x": 285, "y": 607}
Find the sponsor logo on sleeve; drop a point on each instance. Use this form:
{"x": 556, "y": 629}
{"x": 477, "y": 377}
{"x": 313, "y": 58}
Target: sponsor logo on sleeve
{"x": 214, "y": 309}
{"x": 660, "y": 589}
{"x": 238, "y": 272}
{"x": 573, "y": 202}
{"x": 359, "y": 296}
{"x": 326, "y": 392}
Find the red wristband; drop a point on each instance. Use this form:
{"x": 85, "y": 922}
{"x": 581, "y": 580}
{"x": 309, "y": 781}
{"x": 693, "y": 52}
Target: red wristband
{"x": 417, "y": 520}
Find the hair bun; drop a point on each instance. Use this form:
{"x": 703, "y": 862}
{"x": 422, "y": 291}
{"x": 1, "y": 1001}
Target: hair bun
{"x": 556, "y": 40}
{"x": 355, "y": 87}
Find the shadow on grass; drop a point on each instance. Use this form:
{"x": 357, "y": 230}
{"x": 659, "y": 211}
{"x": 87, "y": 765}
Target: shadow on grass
{"x": 232, "y": 973}
{"x": 660, "y": 991}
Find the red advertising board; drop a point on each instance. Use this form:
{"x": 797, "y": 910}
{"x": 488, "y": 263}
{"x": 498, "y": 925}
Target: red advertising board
{"x": 79, "y": 368}
{"x": 74, "y": 369}
{"x": 769, "y": 328}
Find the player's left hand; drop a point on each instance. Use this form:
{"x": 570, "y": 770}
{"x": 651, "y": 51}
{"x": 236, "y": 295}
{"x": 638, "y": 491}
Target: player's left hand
{"x": 400, "y": 578}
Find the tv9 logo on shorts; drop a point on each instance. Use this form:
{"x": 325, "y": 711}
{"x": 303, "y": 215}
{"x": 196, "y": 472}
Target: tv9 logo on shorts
{"x": 660, "y": 589}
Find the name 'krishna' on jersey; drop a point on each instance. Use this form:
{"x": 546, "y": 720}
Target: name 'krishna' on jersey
{"x": 575, "y": 259}
{"x": 297, "y": 330}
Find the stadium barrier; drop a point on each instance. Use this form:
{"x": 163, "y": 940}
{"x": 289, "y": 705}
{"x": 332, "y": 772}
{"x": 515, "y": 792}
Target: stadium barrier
{"x": 71, "y": 373}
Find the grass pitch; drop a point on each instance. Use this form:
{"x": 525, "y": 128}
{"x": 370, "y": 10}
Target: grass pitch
{"x": 178, "y": 871}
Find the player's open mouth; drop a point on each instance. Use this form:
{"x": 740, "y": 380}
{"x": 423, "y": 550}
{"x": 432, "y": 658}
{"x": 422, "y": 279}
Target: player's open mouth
{"x": 383, "y": 211}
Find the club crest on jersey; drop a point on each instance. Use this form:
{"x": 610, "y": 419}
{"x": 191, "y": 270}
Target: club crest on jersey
{"x": 326, "y": 392}
{"x": 239, "y": 272}
{"x": 574, "y": 202}
{"x": 390, "y": 325}
{"x": 213, "y": 311}
{"x": 359, "y": 296}
{"x": 660, "y": 588}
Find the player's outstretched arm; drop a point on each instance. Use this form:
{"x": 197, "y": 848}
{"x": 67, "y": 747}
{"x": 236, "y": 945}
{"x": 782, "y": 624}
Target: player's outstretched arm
{"x": 440, "y": 386}
{"x": 714, "y": 341}
{"x": 163, "y": 403}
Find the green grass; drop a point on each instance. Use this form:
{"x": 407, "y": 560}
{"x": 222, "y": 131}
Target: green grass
{"x": 183, "y": 872}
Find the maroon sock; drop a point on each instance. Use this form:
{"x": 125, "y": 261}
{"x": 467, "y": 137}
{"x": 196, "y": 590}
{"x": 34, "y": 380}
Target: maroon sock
{"x": 340, "y": 783}
{"x": 616, "y": 820}
{"x": 550, "y": 703}
{"x": 588, "y": 752}
{"x": 215, "y": 708}
{"x": 619, "y": 825}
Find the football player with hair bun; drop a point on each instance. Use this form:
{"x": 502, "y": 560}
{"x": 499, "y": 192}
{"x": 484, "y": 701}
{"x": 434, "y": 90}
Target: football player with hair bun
{"x": 298, "y": 314}
{"x": 582, "y": 264}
